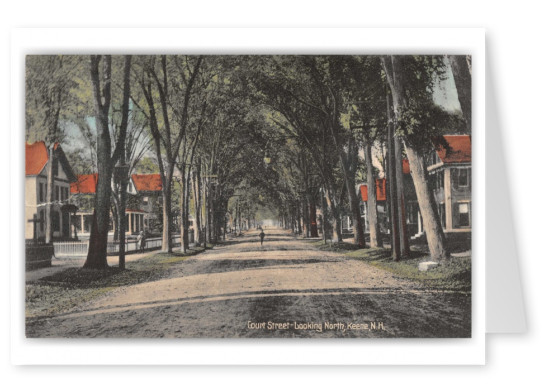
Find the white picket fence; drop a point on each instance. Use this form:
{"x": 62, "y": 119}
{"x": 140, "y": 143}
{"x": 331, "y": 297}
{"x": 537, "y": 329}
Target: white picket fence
{"x": 80, "y": 249}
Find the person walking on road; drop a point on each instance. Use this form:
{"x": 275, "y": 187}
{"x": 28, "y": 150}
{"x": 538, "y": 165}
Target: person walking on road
{"x": 262, "y": 234}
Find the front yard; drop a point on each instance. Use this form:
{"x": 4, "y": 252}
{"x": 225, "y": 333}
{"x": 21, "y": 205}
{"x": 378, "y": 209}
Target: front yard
{"x": 453, "y": 276}
{"x": 69, "y": 288}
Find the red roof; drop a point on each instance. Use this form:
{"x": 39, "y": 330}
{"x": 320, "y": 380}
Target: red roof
{"x": 36, "y": 157}
{"x": 459, "y": 150}
{"x": 147, "y": 182}
{"x": 85, "y": 184}
{"x": 381, "y": 190}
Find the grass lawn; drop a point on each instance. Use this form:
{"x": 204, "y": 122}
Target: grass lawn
{"x": 454, "y": 275}
{"x": 69, "y": 288}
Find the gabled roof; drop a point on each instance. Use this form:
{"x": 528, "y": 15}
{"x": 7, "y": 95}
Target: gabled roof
{"x": 147, "y": 182}
{"x": 457, "y": 151}
{"x": 85, "y": 184}
{"x": 380, "y": 183}
{"x": 36, "y": 157}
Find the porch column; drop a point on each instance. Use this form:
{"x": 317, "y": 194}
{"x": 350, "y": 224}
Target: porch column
{"x": 366, "y": 229}
{"x": 448, "y": 199}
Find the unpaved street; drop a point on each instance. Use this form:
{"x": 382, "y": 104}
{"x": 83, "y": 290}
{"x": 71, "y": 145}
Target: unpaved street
{"x": 285, "y": 288}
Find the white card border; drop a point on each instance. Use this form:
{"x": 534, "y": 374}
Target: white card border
{"x": 245, "y": 351}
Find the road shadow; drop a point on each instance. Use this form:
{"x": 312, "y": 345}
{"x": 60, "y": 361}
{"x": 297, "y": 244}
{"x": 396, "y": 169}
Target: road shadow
{"x": 395, "y": 315}
{"x": 198, "y": 267}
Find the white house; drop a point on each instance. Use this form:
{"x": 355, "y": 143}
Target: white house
{"x": 36, "y": 188}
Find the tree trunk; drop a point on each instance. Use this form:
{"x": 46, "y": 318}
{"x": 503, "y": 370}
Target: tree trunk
{"x": 313, "y": 218}
{"x": 121, "y": 219}
{"x": 335, "y": 218}
{"x": 375, "y": 239}
{"x": 391, "y": 178}
{"x": 166, "y": 245}
{"x": 427, "y": 206}
{"x": 97, "y": 252}
{"x": 400, "y": 199}
{"x": 197, "y": 202}
{"x": 204, "y": 211}
{"x": 305, "y": 218}
{"x": 359, "y": 237}
{"x": 50, "y": 184}
{"x": 462, "y": 77}
{"x": 184, "y": 208}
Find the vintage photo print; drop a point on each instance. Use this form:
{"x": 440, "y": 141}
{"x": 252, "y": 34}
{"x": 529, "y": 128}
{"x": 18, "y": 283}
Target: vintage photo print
{"x": 248, "y": 196}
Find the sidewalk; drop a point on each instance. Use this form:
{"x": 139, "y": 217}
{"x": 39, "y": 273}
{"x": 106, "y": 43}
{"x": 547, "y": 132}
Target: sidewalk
{"x": 60, "y": 264}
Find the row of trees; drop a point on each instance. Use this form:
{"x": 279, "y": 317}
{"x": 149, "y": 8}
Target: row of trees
{"x": 333, "y": 106}
{"x": 235, "y": 133}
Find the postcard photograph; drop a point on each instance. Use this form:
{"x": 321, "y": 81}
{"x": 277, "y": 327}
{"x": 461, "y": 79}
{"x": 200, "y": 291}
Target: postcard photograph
{"x": 248, "y": 196}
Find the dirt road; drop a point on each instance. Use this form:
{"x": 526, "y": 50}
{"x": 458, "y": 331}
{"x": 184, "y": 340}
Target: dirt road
{"x": 284, "y": 288}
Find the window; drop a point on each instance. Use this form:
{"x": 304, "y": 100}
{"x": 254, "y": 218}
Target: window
{"x": 41, "y": 192}
{"x": 461, "y": 177}
{"x": 442, "y": 213}
{"x": 56, "y": 167}
{"x": 464, "y": 215}
{"x": 55, "y": 221}
{"x": 57, "y": 193}
{"x": 42, "y": 215}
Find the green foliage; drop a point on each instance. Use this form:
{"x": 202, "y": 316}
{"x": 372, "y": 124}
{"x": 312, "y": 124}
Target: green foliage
{"x": 146, "y": 165}
{"x": 51, "y": 82}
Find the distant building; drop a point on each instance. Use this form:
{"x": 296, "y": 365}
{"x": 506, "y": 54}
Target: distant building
{"x": 36, "y": 188}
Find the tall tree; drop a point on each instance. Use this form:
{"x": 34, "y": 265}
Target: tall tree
{"x": 106, "y": 158}
{"x": 48, "y": 82}
{"x": 461, "y": 69}
{"x": 411, "y": 80}
{"x": 171, "y": 81}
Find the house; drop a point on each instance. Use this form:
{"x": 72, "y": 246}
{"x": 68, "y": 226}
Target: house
{"x": 449, "y": 169}
{"x": 450, "y": 175}
{"x": 412, "y": 209}
{"x": 143, "y": 191}
{"x": 380, "y": 184}
{"x": 36, "y": 187}
{"x": 147, "y": 188}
